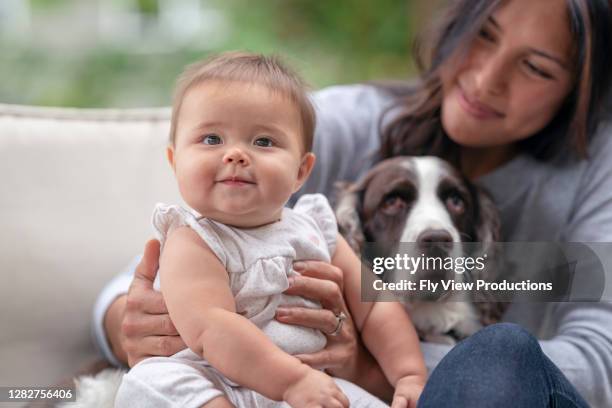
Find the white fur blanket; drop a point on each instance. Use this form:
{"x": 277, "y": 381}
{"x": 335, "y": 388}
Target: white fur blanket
{"x": 96, "y": 390}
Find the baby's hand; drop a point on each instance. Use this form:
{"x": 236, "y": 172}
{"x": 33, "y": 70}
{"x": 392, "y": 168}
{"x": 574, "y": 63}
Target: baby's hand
{"x": 315, "y": 389}
{"x": 407, "y": 392}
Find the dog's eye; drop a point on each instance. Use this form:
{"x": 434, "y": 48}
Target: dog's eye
{"x": 455, "y": 203}
{"x": 393, "y": 204}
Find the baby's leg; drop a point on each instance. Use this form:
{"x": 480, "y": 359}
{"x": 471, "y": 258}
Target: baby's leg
{"x": 219, "y": 402}
{"x": 244, "y": 398}
{"x": 182, "y": 380}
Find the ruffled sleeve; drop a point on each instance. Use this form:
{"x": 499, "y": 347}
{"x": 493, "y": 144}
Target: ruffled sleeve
{"x": 168, "y": 217}
{"x": 318, "y": 208}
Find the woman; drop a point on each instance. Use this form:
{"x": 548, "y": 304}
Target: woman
{"x": 513, "y": 94}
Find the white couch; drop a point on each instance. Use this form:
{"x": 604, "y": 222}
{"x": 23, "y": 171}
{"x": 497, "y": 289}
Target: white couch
{"x": 78, "y": 191}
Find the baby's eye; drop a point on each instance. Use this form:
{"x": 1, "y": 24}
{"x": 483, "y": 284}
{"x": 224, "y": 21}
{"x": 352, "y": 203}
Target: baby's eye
{"x": 211, "y": 139}
{"x": 264, "y": 142}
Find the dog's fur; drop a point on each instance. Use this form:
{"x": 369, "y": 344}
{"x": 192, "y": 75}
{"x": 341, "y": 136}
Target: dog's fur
{"x": 426, "y": 201}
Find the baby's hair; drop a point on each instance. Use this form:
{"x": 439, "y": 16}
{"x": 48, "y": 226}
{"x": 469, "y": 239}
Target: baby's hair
{"x": 249, "y": 68}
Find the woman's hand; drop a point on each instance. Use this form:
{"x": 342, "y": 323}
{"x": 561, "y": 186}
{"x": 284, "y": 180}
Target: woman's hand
{"x": 323, "y": 282}
{"x": 138, "y": 324}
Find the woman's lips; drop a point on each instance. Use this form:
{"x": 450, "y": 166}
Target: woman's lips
{"x": 477, "y": 109}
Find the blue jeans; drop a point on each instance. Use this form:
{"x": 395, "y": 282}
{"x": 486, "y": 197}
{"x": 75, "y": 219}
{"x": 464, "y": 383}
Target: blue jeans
{"x": 500, "y": 366}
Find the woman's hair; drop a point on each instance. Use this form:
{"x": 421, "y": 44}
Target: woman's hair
{"x": 416, "y": 127}
{"x": 249, "y": 68}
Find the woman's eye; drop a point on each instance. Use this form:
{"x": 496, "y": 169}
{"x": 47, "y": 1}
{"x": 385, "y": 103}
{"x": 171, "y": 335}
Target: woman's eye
{"x": 211, "y": 140}
{"x": 486, "y": 35}
{"x": 264, "y": 142}
{"x": 540, "y": 72}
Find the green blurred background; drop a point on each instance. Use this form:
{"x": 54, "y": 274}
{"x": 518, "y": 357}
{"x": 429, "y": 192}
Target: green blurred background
{"x": 127, "y": 53}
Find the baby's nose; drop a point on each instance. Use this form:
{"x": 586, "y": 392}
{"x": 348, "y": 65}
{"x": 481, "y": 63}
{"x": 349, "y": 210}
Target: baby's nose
{"x": 236, "y": 156}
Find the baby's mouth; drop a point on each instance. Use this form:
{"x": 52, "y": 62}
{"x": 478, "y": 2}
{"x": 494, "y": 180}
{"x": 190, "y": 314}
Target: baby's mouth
{"x": 236, "y": 181}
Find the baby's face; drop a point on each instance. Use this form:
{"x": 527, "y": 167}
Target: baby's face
{"x": 238, "y": 154}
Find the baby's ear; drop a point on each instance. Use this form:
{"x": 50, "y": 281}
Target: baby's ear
{"x": 170, "y": 155}
{"x": 305, "y": 169}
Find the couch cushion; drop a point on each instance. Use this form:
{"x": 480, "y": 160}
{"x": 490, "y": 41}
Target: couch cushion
{"x": 78, "y": 189}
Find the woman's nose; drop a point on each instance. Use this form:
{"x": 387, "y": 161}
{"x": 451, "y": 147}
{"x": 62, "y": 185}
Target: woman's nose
{"x": 490, "y": 75}
{"x": 236, "y": 155}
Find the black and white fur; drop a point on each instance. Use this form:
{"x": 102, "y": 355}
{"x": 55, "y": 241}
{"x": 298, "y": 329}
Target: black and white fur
{"x": 425, "y": 200}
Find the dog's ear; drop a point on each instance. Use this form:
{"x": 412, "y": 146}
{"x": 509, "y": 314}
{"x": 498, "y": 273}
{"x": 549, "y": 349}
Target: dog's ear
{"x": 488, "y": 233}
{"x": 488, "y": 223}
{"x": 347, "y": 214}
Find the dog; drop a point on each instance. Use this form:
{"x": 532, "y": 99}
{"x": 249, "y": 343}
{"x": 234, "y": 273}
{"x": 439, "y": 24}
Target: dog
{"x": 426, "y": 201}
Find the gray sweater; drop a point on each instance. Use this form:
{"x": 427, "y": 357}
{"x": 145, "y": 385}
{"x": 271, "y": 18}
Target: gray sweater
{"x": 563, "y": 200}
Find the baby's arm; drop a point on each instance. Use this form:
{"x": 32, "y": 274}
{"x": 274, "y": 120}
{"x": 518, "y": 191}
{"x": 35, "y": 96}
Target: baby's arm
{"x": 196, "y": 289}
{"x": 385, "y": 328}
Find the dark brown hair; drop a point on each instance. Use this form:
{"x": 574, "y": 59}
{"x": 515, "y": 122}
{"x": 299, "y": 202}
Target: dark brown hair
{"x": 416, "y": 127}
{"x": 238, "y": 66}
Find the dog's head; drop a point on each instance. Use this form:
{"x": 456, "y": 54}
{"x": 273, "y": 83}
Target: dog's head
{"x": 423, "y": 200}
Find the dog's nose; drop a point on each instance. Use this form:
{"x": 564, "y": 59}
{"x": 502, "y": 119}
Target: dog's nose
{"x": 435, "y": 237}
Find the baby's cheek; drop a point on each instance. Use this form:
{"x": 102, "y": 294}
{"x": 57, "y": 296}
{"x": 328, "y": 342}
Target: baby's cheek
{"x": 193, "y": 185}
{"x": 281, "y": 185}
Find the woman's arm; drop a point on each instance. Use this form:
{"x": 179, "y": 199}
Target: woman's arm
{"x": 107, "y": 314}
{"x": 582, "y": 348}
{"x": 112, "y": 325}
{"x": 582, "y": 342}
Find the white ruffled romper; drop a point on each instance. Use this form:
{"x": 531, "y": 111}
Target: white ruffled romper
{"x": 259, "y": 262}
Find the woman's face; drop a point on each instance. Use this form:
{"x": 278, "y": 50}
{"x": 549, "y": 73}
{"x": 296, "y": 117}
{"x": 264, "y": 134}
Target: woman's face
{"x": 516, "y": 75}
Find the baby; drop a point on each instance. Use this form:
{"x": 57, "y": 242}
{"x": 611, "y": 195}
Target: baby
{"x": 240, "y": 140}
